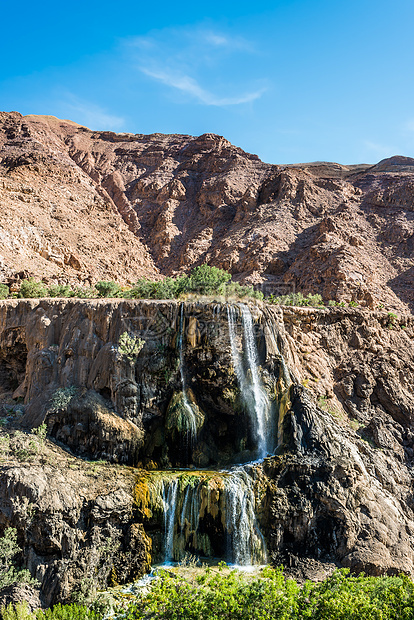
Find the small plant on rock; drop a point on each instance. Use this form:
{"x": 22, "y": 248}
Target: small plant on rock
{"x": 391, "y": 320}
{"x": 130, "y": 346}
{"x": 62, "y": 397}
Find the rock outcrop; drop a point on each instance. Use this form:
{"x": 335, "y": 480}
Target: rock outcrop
{"x": 340, "y": 388}
{"x": 82, "y": 205}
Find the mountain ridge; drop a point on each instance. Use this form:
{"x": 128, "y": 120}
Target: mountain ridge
{"x": 163, "y": 203}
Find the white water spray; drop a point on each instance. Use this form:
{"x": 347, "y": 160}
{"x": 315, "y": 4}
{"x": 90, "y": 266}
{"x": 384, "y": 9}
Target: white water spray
{"x": 246, "y": 545}
{"x": 250, "y": 385}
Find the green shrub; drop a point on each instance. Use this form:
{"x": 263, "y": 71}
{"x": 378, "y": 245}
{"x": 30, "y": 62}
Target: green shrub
{"x": 68, "y": 612}
{"x": 207, "y": 280}
{"x": 107, "y": 288}
{"x": 203, "y": 280}
{"x": 19, "y": 612}
{"x": 62, "y": 397}
{"x": 169, "y": 288}
{"x": 130, "y": 346}
{"x": 297, "y": 299}
{"x": 85, "y": 292}
{"x": 273, "y": 597}
{"x": 9, "y": 573}
{"x": 60, "y": 290}
{"x": 31, "y": 289}
{"x": 4, "y": 291}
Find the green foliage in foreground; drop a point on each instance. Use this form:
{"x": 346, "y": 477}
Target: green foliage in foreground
{"x": 58, "y": 612}
{"x": 236, "y": 596}
{"x": 219, "y": 595}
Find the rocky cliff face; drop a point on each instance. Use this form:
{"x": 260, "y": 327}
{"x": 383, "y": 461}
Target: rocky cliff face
{"x": 338, "y": 387}
{"x": 165, "y": 203}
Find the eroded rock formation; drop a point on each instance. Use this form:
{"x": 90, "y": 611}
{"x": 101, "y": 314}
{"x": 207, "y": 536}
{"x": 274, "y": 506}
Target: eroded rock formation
{"x": 339, "y": 384}
{"x": 84, "y": 205}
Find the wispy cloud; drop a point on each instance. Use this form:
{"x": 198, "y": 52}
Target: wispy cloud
{"x": 89, "y": 114}
{"x": 189, "y": 85}
{"x": 201, "y": 64}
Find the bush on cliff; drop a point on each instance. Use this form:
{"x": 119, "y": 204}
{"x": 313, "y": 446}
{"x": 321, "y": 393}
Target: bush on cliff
{"x": 31, "y": 289}
{"x": 203, "y": 280}
{"x": 169, "y": 288}
{"x": 108, "y": 289}
{"x": 207, "y": 280}
{"x": 296, "y": 299}
{"x": 9, "y": 572}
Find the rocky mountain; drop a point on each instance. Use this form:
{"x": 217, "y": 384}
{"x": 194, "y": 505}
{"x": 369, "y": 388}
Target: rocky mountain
{"x": 83, "y": 205}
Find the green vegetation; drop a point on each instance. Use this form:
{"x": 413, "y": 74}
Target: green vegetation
{"x": 236, "y": 596}
{"x": 58, "y": 612}
{"x": 297, "y": 299}
{"x": 62, "y": 397}
{"x": 22, "y": 446}
{"x": 108, "y": 289}
{"x": 217, "y": 594}
{"x": 9, "y": 572}
{"x": 203, "y": 280}
{"x": 130, "y": 346}
{"x": 4, "y": 291}
{"x": 391, "y": 320}
{"x": 30, "y": 288}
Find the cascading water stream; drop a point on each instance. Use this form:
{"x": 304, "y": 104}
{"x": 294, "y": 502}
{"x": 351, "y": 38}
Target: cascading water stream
{"x": 189, "y": 413}
{"x": 169, "y": 498}
{"x": 213, "y": 513}
{"x": 250, "y": 385}
{"x": 246, "y": 545}
{"x": 225, "y": 499}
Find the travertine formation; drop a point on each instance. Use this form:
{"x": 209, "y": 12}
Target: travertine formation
{"x": 339, "y": 488}
{"x": 82, "y": 205}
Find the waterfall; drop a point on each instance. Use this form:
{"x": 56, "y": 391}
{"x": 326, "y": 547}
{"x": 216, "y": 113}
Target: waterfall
{"x": 210, "y": 514}
{"x": 246, "y": 545}
{"x": 169, "y": 498}
{"x": 190, "y": 417}
{"x": 251, "y": 388}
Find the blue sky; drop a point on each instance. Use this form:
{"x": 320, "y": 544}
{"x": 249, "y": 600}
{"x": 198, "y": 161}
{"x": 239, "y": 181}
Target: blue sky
{"x": 292, "y": 81}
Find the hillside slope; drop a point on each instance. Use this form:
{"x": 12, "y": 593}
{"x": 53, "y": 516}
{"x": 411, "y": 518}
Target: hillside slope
{"x": 85, "y": 205}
